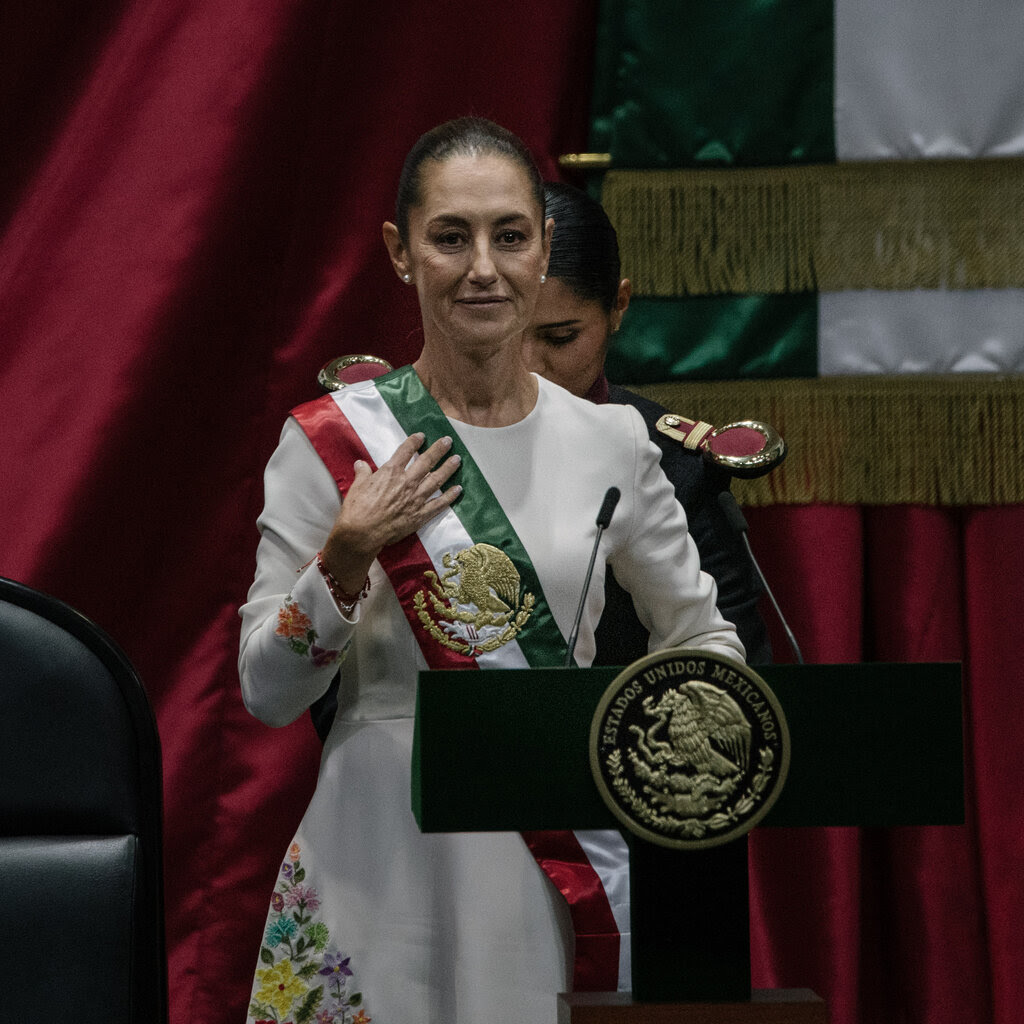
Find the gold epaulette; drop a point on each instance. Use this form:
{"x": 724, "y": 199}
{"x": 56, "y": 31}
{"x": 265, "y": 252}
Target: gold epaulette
{"x": 745, "y": 448}
{"x": 344, "y": 370}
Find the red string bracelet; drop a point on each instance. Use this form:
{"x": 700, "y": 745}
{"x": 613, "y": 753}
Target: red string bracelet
{"x": 345, "y": 600}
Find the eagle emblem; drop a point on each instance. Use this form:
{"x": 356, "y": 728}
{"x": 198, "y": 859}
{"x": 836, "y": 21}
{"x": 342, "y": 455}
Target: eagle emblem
{"x": 705, "y": 752}
{"x": 477, "y": 604}
{"x": 689, "y": 749}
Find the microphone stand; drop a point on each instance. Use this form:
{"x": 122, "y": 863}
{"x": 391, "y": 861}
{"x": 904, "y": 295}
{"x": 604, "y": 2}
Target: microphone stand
{"x": 738, "y": 521}
{"x": 604, "y": 517}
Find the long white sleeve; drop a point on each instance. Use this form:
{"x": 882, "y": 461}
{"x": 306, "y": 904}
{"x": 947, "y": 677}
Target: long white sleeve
{"x": 659, "y": 565}
{"x": 283, "y": 668}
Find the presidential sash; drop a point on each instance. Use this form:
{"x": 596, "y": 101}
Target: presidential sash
{"x": 465, "y": 581}
{"x": 472, "y": 598}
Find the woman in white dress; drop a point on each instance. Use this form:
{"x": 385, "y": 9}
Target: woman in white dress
{"x": 442, "y": 516}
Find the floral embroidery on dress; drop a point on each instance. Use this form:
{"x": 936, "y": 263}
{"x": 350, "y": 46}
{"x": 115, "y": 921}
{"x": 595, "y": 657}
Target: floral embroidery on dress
{"x": 295, "y": 626}
{"x": 304, "y": 980}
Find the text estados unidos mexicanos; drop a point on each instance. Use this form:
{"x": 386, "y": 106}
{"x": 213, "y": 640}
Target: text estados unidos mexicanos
{"x": 655, "y": 674}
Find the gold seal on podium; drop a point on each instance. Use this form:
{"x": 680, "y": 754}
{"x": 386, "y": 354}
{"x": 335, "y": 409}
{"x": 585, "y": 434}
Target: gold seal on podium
{"x": 688, "y": 749}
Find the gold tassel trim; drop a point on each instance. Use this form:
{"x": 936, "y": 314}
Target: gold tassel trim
{"x": 949, "y": 440}
{"x": 894, "y": 225}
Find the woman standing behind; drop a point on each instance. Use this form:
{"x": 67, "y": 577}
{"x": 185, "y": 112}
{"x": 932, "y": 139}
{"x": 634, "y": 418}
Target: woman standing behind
{"x": 458, "y": 543}
{"x": 579, "y": 309}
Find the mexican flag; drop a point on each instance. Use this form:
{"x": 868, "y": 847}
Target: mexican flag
{"x": 819, "y": 203}
{"x": 825, "y": 186}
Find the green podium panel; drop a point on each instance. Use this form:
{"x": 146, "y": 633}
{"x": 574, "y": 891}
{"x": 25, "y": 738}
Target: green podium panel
{"x": 509, "y": 751}
{"x": 877, "y": 744}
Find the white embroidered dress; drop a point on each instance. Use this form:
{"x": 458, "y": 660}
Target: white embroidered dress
{"x": 372, "y": 920}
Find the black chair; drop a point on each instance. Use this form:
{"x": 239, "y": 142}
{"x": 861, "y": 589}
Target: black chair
{"x": 81, "y": 888}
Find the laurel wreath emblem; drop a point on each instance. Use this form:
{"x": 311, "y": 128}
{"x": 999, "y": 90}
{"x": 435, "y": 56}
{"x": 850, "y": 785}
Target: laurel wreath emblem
{"x": 689, "y": 749}
{"x": 691, "y": 827}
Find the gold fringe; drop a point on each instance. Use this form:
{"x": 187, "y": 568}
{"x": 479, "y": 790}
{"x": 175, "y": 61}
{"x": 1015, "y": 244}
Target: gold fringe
{"x": 950, "y": 224}
{"x": 951, "y": 440}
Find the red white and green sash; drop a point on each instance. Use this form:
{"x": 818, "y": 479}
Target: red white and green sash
{"x": 368, "y": 421}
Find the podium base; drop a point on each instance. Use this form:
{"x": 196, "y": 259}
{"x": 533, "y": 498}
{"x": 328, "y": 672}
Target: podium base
{"x": 765, "y": 1006}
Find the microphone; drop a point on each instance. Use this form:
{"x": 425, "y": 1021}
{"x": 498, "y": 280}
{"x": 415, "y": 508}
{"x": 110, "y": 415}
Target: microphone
{"x": 738, "y": 523}
{"x": 604, "y": 518}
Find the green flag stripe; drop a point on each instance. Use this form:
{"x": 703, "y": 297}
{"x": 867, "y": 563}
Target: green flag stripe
{"x": 715, "y": 338}
{"x": 744, "y": 84}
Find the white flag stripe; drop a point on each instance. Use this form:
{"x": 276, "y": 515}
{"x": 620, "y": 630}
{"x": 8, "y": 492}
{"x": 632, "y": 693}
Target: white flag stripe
{"x": 915, "y": 80}
{"x": 921, "y": 332}
{"x": 922, "y": 79}
{"x": 381, "y": 434}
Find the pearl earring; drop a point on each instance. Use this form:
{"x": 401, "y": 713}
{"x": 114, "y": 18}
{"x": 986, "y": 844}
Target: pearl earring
{"x": 543, "y": 278}
{"x": 406, "y": 278}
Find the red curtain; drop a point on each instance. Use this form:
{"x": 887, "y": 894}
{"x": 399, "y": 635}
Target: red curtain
{"x": 192, "y": 195}
{"x": 904, "y": 924}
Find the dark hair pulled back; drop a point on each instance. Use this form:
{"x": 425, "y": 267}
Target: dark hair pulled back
{"x": 464, "y": 136}
{"x": 584, "y": 248}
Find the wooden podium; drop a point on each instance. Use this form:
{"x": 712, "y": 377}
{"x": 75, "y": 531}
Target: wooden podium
{"x": 877, "y": 744}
